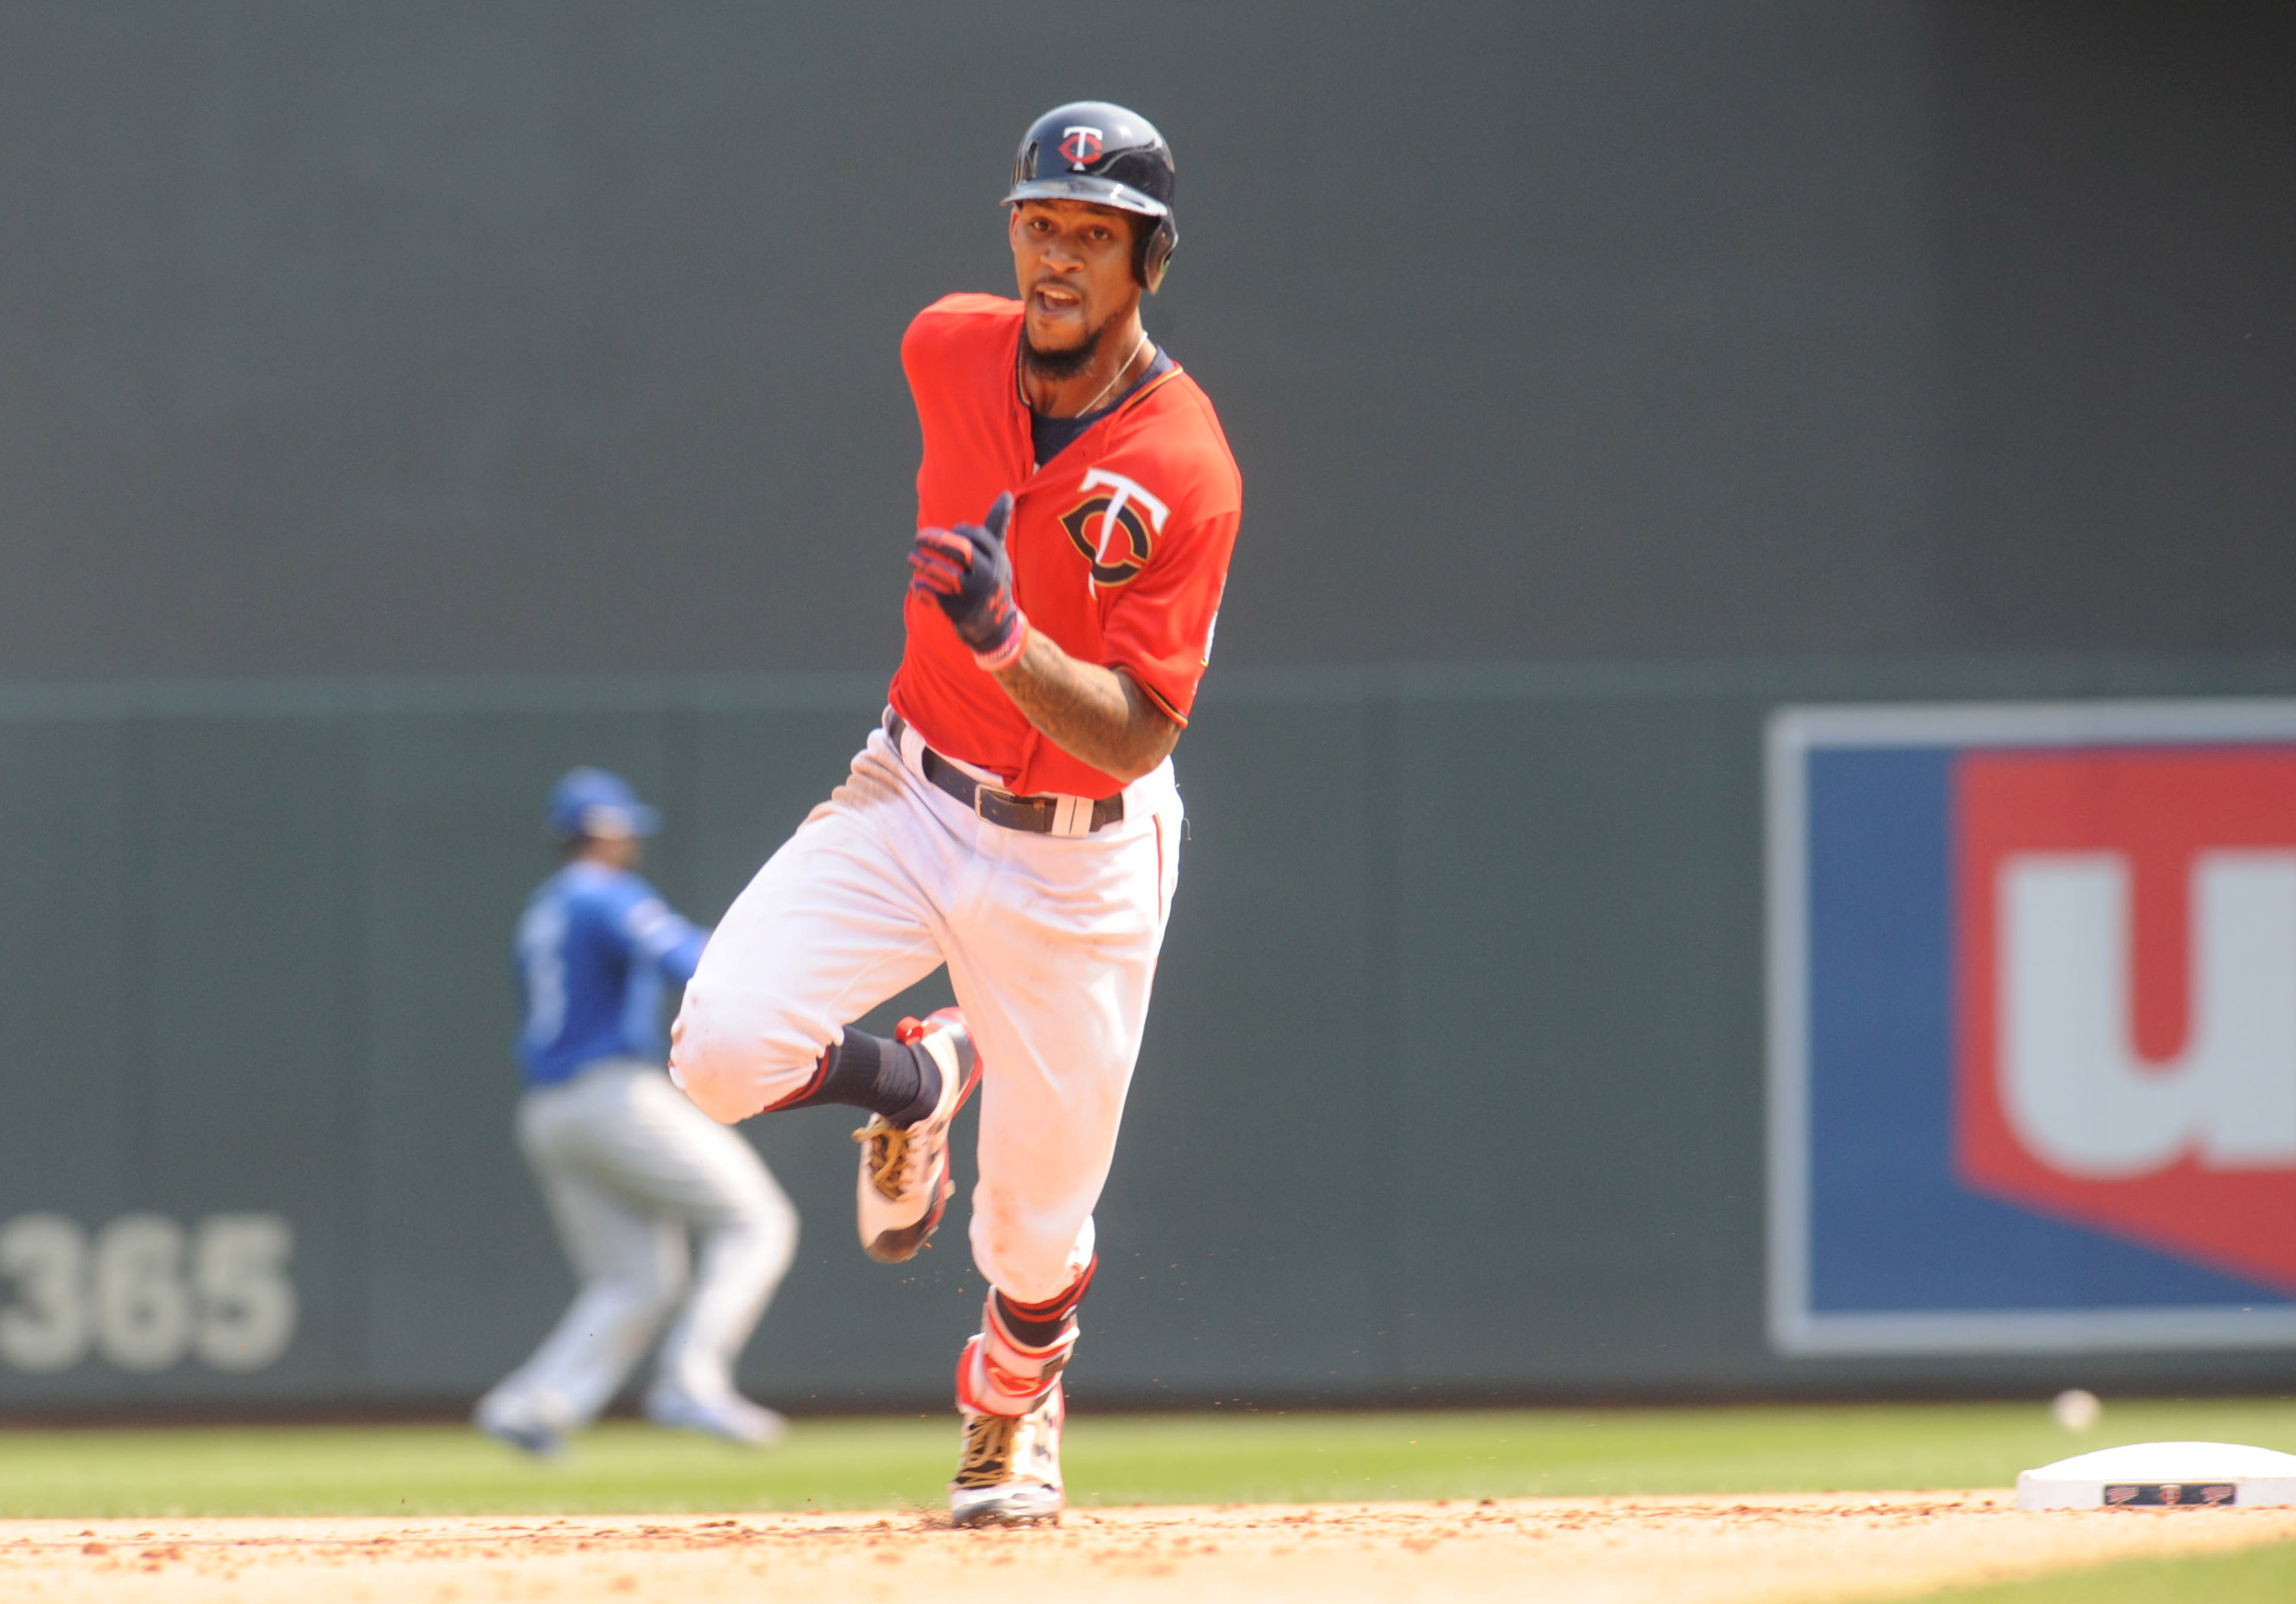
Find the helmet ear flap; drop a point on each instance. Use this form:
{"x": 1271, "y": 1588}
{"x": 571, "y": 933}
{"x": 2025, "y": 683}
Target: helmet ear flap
{"x": 1153, "y": 254}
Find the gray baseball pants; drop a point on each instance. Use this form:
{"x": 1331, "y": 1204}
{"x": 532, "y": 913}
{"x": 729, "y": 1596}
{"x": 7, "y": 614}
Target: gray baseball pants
{"x": 629, "y": 1168}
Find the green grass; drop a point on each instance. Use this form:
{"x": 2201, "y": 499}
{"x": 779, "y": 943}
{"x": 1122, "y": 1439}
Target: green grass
{"x": 2249, "y": 1578}
{"x": 1227, "y": 1457}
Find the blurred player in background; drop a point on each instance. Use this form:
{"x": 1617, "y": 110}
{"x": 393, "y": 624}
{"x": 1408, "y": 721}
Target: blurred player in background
{"x": 628, "y": 1165}
{"x": 1015, "y": 817}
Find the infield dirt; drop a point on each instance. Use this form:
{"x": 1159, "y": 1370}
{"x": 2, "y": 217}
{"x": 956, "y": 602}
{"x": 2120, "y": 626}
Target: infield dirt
{"x": 1681, "y": 1551}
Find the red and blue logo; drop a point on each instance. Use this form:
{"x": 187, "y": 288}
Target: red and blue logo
{"x": 1081, "y": 146}
{"x": 2033, "y": 1026}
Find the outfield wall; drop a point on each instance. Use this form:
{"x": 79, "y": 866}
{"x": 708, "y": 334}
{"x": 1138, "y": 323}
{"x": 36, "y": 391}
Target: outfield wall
{"x": 1454, "y": 1088}
{"x": 510, "y": 337}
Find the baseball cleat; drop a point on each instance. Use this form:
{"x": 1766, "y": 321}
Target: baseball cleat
{"x": 1010, "y": 1474}
{"x": 905, "y": 1171}
{"x": 527, "y": 1435}
{"x": 736, "y": 1420}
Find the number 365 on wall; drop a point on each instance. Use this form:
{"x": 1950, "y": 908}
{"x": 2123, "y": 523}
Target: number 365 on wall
{"x": 145, "y": 1292}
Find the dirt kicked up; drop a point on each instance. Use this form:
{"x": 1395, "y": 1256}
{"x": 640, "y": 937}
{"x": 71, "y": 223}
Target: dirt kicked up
{"x": 1681, "y": 1550}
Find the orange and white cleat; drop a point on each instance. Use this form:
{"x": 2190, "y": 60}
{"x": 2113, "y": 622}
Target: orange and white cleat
{"x": 905, "y": 1171}
{"x": 1010, "y": 1470}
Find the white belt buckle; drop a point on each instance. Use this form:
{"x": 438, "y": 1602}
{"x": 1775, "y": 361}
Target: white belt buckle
{"x": 1073, "y": 817}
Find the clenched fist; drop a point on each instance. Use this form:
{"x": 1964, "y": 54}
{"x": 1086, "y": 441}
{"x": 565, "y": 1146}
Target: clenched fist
{"x": 965, "y": 570}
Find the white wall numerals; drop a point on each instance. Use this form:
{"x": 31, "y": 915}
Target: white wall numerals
{"x": 46, "y": 1326}
{"x": 247, "y": 1304}
{"x": 146, "y": 1292}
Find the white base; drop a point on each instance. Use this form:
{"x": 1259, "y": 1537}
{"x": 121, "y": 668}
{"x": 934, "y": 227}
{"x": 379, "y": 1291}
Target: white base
{"x": 2162, "y": 1476}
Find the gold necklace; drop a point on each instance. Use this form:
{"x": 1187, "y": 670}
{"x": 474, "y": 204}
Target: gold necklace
{"x": 1122, "y": 368}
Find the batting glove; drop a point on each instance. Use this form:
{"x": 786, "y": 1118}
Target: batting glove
{"x": 966, "y": 572}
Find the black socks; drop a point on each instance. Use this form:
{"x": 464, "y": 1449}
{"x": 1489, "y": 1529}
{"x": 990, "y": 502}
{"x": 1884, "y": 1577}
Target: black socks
{"x": 892, "y": 1078}
{"x": 1041, "y": 1325}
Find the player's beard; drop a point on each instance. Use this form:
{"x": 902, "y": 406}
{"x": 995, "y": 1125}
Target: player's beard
{"x": 1070, "y": 362}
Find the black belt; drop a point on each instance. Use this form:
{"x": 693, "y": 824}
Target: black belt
{"x": 1038, "y": 815}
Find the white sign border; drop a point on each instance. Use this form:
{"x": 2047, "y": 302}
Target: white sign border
{"x": 1795, "y": 1329}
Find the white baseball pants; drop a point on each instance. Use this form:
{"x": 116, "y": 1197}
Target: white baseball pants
{"x": 1051, "y": 944}
{"x": 628, "y": 1167}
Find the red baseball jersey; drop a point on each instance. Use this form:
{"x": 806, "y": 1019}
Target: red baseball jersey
{"x": 1119, "y": 545}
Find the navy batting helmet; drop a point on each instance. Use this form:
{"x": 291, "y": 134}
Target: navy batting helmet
{"x": 1091, "y": 150}
{"x": 598, "y": 802}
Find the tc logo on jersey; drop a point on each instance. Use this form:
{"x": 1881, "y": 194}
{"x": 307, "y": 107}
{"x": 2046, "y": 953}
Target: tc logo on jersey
{"x": 1081, "y": 146}
{"x": 2033, "y": 1050}
{"x": 1115, "y": 526}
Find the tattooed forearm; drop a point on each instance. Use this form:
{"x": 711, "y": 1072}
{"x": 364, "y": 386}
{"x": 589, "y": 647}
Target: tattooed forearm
{"x": 1095, "y": 713}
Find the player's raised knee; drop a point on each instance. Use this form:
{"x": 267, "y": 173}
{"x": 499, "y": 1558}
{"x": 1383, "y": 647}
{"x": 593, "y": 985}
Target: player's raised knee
{"x": 737, "y": 1056}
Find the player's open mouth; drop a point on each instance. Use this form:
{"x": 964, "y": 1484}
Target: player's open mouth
{"x": 1050, "y": 299}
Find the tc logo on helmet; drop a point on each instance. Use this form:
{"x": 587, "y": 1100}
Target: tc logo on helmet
{"x": 1081, "y": 146}
{"x": 1115, "y": 527}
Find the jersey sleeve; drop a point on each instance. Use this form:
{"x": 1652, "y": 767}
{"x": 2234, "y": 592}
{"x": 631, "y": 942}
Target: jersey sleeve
{"x": 1159, "y": 628}
{"x": 659, "y": 935}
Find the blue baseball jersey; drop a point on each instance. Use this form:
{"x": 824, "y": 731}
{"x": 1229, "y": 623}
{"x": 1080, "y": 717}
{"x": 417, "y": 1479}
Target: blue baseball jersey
{"x": 595, "y": 948}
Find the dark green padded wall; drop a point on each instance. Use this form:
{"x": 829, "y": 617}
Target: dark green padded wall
{"x": 505, "y": 336}
{"x": 1452, "y": 1089}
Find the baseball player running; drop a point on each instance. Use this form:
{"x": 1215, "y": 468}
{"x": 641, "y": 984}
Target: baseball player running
{"x": 626, "y": 1165}
{"x": 1015, "y": 817}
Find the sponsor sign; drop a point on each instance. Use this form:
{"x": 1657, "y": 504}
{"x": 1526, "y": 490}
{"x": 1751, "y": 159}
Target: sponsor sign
{"x": 2032, "y": 1027}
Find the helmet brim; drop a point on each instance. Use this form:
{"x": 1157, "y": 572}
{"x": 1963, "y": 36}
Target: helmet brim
{"x": 1097, "y": 191}
{"x": 601, "y": 820}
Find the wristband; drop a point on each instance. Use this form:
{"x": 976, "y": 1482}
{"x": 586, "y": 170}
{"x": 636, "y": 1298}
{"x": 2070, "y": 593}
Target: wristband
{"x": 1009, "y": 653}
